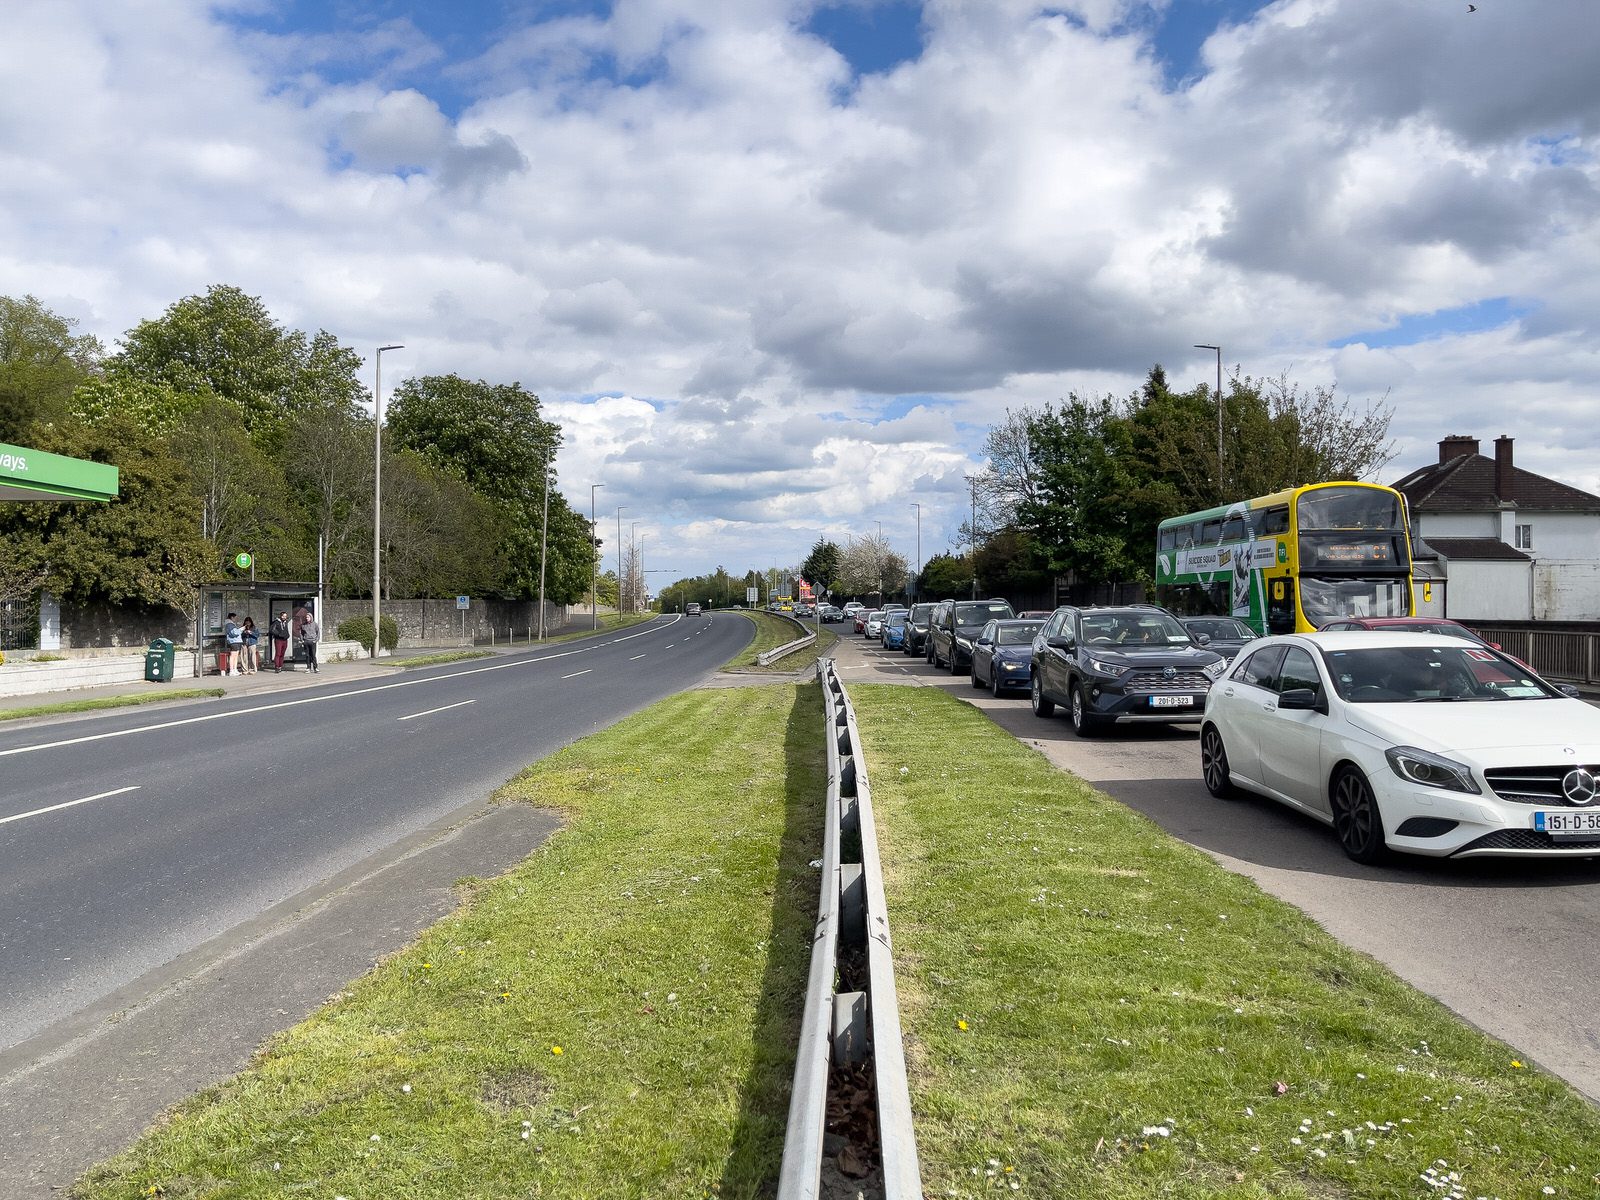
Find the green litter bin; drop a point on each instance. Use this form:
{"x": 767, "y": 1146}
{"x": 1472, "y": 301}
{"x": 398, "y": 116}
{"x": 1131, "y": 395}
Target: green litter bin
{"x": 158, "y": 661}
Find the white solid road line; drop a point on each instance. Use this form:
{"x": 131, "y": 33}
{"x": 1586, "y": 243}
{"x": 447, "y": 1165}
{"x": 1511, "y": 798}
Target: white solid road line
{"x": 636, "y": 658}
{"x": 575, "y": 674}
{"x": 431, "y": 711}
{"x": 261, "y": 708}
{"x": 69, "y": 804}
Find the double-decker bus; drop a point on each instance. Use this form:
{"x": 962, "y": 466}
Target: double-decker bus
{"x": 1292, "y": 561}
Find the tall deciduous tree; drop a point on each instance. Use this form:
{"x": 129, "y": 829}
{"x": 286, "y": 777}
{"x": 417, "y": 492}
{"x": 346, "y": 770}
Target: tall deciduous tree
{"x": 227, "y": 342}
{"x": 493, "y": 437}
{"x": 41, "y": 361}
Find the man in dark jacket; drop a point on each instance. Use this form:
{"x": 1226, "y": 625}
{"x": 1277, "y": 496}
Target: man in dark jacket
{"x": 280, "y": 640}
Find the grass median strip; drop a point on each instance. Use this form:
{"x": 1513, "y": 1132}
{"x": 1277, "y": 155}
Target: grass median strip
{"x": 131, "y": 700}
{"x": 616, "y": 1017}
{"x": 772, "y": 632}
{"x": 434, "y": 660}
{"x": 1094, "y": 1009}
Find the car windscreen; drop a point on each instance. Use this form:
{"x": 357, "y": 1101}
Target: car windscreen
{"x": 1416, "y": 674}
{"x": 1133, "y": 628}
{"x": 898, "y": 617}
{"x": 979, "y": 612}
{"x": 1221, "y": 627}
{"x": 1018, "y": 635}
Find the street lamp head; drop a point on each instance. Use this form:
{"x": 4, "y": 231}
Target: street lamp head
{"x": 397, "y": 346}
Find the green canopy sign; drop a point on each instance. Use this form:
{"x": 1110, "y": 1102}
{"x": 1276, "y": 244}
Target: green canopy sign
{"x": 32, "y": 475}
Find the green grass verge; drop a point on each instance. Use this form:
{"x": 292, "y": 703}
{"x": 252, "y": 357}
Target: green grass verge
{"x": 89, "y": 705}
{"x": 1094, "y": 1009}
{"x": 616, "y": 1017}
{"x": 774, "y": 631}
{"x": 433, "y": 660}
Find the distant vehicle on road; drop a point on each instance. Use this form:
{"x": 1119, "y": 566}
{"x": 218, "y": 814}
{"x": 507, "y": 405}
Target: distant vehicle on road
{"x": 1403, "y": 741}
{"x": 1225, "y": 635}
{"x": 954, "y": 624}
{"x": 691, "y": 610}
{"x": 873, "y": 627}
{"x": 917, "y": 628}
{"x": 893, "y": 635}
{"x": 829, "y": 613}
{"x": 1002, "y": 653}
{"x": 1131, "y": 663}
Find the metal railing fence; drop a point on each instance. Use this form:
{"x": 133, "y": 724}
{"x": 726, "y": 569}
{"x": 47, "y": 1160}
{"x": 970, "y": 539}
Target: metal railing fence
{"x": 851, "y": 1024}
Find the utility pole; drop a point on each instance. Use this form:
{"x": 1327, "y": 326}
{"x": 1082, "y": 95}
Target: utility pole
{"x": 620, "y": 507}
{"x": 594, "y": 562}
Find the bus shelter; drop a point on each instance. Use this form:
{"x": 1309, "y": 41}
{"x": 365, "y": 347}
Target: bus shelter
{"x": 34, "y": 477}
{"x": 260, "y": 600}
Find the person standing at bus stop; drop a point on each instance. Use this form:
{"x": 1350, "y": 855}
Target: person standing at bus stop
{"x": 310, "y": 635}
{"x": 232, "y": 646}
{"x": 279, "y": 629}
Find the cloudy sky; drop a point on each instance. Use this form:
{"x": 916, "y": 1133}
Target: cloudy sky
{"x": 777, "y": 265}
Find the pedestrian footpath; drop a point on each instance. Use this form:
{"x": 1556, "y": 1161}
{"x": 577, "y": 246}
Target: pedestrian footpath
{"x": 294, "y": 675}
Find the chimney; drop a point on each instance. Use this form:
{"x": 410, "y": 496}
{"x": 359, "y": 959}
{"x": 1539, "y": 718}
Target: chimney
{"x": 1456, "y": 446}
{"x": 1502, "y": 469}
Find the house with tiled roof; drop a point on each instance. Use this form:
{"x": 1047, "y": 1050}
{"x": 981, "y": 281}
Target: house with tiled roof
{"x": 1494, "y": 542}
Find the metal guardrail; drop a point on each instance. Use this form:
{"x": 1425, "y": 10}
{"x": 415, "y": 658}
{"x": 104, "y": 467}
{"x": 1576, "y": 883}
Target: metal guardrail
{"x": 850, "y": 1040}
{"x": 1568, "y": 655}
{"x": 767, "y": 657}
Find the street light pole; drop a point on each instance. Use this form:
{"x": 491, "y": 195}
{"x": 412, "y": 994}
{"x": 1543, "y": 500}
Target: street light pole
{"x": 594, "y": 563}
{"x": 917, "y": 583}
{"x": 377, "y": 491}
{"x": 1221, "y": 494}
{"x": 633, "y": 556}
{"x": 620, "y": 507}
{"x": 544, "y": 539}
{"x": 973, "y": 481}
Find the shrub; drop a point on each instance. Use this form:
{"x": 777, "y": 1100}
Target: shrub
{"x": 359, "y": 629}
{"x": 2, "y": 658}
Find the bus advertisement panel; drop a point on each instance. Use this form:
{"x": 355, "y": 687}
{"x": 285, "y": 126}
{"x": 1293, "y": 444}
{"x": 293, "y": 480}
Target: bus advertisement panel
{"x": 1292, "y": 561}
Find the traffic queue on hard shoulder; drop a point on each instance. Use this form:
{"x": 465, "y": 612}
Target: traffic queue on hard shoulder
{"x": 1401, "y": 734}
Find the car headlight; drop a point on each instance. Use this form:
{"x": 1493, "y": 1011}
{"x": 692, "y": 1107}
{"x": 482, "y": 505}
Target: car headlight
{"x": 1102, "y": 667}
{"x": 1430, "y": 770}
{"x": 1214, "y": 670}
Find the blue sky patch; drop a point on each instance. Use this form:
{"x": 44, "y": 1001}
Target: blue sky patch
{"x": 874, "y": 37}
{"x": 1445, "y": 322}
{"x": 1185, "y": 25}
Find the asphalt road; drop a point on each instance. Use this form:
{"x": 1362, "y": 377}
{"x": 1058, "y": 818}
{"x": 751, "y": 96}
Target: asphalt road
{"x": 126, "y": 841}
{"x": 1512, "y": 945}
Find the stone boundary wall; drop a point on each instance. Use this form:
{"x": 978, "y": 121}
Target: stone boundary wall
{"x": 88, "y": 630}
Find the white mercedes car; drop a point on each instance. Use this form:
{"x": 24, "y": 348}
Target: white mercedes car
{"x": 1405, "y": 741}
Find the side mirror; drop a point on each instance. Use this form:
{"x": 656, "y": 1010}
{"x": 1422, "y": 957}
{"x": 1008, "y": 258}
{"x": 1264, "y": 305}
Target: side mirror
{"x": 1202, "y": 639}
{"x": 1303, "y": 699}
{"x": 1061, "y": 641}
{"x": 1566, "y": 689}
{"x": 1494, "y": 645}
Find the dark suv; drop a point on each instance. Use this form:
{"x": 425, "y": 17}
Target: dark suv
{"x": 954, "y": 625}
{"x": 917, "y": 629}
{"x": 1123, "y": 664}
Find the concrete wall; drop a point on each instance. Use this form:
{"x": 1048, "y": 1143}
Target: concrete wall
{"x": 1457, "y": 525}
{"x": 1566, "y": 591}
{"x": 1489, "y": 591}
{"x": 1564, "y": 536}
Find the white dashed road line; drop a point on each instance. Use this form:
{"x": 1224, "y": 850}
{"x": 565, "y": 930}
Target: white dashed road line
{"x": 431, "y": 711}
{"x": 69, "y": 804}
{"x": 575, "y": 674}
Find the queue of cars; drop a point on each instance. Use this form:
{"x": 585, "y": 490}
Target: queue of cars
{"x": 1401, "y": 734}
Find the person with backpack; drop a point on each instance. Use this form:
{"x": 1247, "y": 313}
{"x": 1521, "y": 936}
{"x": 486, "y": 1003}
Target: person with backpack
{"x": 232, "y": 645}
{"x": 279, "y": 629}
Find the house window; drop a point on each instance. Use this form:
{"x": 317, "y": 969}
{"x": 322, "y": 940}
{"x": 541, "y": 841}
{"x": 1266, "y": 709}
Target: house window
{"x": 1524, "y": 537}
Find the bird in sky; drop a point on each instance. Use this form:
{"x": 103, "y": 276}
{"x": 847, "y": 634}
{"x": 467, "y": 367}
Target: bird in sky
{"x": 1472, "y": 8}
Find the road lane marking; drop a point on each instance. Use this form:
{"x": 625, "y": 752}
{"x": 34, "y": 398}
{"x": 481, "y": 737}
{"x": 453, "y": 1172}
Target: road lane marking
{"x": 431, "y": 711}
{"x": 636, "y": 658}
{"x": 69, "y": 804}
{"x": 575, "y": 674}
{"x": 359, "y": 691}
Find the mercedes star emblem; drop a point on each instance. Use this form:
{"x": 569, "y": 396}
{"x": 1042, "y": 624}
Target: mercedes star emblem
{"x": 1579, "y": 787}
